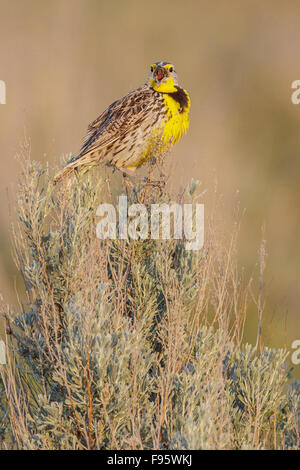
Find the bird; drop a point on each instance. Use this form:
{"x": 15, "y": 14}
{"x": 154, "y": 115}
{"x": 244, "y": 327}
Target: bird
{"x": 143, "y": 124}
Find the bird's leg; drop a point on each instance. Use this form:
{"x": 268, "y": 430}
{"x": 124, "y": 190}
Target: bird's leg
{"x": 128, "y": 185}
{"x": 151, "y": 167}
{"x": 126, "y": 172}
{"x": 131, "y": 173}
{"x": 147, "y": 182}
{"x": 107, "y": 182}
{"x": 153, "y": 162}
{"x": 159, "y": 167}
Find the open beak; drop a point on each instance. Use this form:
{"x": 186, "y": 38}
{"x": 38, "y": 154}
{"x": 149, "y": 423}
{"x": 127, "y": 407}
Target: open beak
{"x": 159, "y": 74}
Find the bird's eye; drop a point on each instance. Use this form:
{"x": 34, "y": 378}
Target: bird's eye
{"x": 171, "y": 69}
{"x": 151, "y": 69}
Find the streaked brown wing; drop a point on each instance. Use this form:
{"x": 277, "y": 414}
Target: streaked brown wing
{"x": 118, "y": 119}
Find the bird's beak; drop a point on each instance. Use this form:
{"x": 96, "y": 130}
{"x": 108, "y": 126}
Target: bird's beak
{"x": 159, "y": 74}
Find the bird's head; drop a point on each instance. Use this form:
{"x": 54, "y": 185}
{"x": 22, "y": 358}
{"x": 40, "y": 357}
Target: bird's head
{"x": 162, "y": 77}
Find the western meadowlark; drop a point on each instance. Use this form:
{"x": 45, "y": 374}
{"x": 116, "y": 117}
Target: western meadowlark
{"x": 144, "y": 123}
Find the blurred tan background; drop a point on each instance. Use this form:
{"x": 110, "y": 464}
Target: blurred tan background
{"x": 65, "y": 61}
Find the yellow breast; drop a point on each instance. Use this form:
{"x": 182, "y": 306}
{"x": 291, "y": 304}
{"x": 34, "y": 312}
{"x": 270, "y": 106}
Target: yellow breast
{"x": 170, "y": 128}
{"x": 177, "y": 120}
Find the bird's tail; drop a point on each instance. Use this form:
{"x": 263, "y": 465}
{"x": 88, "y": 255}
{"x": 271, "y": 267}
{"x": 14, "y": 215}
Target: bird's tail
{"x": 72, "y": 166}
{"x": 65, "y": 172}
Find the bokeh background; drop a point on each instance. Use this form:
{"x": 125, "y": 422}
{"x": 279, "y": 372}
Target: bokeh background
{"x": 64, "y": 61}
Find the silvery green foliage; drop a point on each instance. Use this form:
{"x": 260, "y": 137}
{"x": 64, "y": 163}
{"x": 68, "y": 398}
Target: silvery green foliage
{"x": 115, "y": 349}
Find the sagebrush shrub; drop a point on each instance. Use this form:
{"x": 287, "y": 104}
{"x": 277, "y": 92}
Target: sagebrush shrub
{"x": 132, "y": 344}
